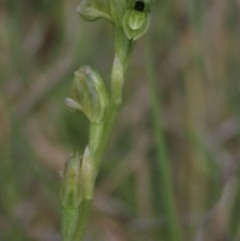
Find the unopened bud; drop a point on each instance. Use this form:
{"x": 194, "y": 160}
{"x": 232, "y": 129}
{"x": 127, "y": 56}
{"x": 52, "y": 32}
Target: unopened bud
{"x": 71, "y": 196}
{"x": 88, "y": 169}
{"x": 71, "y": 190}
{"x": 89, "y": 92}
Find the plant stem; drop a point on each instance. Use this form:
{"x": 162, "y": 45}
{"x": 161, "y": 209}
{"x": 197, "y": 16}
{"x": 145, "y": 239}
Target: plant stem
{"x": 100, "y": 134}
{"x": 95, "y": 136}
{"x": 124, "y": 49}
{"x": 115, "y": 103}
{"x": 83, "y": 217}
{"x": 166, "y": 186}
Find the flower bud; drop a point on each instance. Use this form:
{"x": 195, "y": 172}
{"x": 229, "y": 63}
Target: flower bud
{"x": 89, "y": 93}
{"x": 88, "y": 169}
{"x": 71, "y": 190}
{"x": 71, "y": 196}
{"x": 136, "y": 18}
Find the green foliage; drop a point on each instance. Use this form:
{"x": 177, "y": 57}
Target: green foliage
{"x": 195, "y": 62}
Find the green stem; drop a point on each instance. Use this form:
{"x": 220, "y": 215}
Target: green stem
{"x": 166, "y": 187}
{"x": 83, "y": 217}
{"x": 95, "y": 136}
{"x": 99, "y": 134}
{"x": 124, "y": 48}
{"x": 115, "y": 103}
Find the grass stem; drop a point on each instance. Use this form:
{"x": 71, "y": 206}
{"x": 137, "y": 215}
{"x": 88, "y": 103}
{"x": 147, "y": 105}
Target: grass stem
{"x": 166, "y": 186}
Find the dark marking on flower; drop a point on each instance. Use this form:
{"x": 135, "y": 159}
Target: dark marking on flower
{"x": 139, "y": 6}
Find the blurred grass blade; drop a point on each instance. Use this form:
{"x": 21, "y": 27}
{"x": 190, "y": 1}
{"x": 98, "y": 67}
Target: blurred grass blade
{"x": 166, "y": 187}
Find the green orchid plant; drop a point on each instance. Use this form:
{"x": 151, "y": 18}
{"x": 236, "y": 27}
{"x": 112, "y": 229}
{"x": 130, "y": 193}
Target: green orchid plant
{"x": 132, "y": 16}
{"x": 130, "y": 19}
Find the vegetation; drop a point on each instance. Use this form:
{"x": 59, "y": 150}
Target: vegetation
{"x": 172, "y": 161}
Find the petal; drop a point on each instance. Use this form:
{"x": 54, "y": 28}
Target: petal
{"x": 139, "y": 32}
{"x": 128, "y": 31}
{"x": 136, "y": 19}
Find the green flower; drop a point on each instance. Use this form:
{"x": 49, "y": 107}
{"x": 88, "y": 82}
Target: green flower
{"x": 136, "y": 18}
{"x": 131, "y": 15}
{"x": 89, "y": 95}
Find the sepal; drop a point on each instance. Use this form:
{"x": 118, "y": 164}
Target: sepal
{"x": 94, "y": 10}
{"x": 111, "y": 10}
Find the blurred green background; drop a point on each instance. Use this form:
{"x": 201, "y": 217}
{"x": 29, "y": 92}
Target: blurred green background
{"x": 195, "y": 58}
